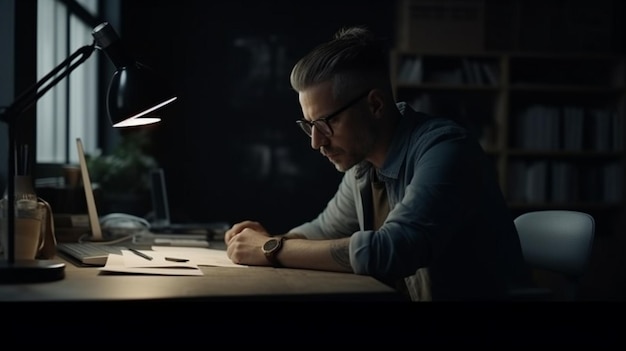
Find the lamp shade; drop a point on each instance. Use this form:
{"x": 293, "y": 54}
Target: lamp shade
{"x": 134, "y": 92}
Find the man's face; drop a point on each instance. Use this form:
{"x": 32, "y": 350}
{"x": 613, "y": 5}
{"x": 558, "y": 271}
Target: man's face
{"x": 353, "y": 134}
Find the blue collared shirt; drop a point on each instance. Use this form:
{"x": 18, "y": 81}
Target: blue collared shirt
{"x": 447, "y": 213}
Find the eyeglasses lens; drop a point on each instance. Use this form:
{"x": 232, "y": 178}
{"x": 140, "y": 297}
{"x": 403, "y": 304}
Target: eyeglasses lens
{"x": 321, "y": 126}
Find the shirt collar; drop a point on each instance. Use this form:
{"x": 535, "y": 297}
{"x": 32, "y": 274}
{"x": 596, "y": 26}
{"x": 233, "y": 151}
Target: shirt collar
{"x": 396, "y": 154}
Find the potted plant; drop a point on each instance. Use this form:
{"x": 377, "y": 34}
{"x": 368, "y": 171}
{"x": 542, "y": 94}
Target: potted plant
{"x": 123, "y": 175}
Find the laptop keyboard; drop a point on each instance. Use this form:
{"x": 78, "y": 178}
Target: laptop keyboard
{"x": 87, "y": 253}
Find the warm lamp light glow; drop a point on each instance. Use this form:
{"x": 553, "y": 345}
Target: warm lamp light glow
{"x": 137, "y": 120}
{"x": 135, "y": 91}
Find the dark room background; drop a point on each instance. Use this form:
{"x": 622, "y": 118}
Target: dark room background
{"x": 230, "y": 146}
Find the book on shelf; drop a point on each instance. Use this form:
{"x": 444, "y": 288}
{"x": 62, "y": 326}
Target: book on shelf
{"x": 538, "y": 128}
{"x": 410, "y": 70}
{"x": 600, "y": 130}
{"x": 563, "y": 181}
{"x": 573, "y": 123}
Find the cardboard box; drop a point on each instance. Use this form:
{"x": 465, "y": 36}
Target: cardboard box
{"x": 441, "y": 26}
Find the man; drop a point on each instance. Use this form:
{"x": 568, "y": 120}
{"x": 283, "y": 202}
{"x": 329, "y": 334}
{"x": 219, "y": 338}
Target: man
{"x": 419, "y": 206}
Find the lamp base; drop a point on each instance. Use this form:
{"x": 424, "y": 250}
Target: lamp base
{"x": 31, "y": 271}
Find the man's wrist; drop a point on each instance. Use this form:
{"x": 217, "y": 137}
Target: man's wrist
{"x": 271, "y": 248}
{"x": 294, "y": 236}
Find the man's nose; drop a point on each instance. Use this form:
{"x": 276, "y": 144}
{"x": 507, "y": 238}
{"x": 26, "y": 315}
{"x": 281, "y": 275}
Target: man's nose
{"x": 318, "y": 139}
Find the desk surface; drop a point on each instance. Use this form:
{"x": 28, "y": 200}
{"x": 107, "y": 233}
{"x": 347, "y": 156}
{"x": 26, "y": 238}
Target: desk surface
{"x": 217, "y": 283}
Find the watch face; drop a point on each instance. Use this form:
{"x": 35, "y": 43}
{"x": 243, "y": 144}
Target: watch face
{"x": 270, "y": 245}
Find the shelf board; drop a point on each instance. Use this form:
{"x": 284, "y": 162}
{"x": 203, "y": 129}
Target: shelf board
{"x": 559, "y": 88}
{"x": 448, "y": 86}
{"x": 578, "y": 205}
{"x": 563, "y": 153}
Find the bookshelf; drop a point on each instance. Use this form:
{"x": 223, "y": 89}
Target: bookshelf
{"x": 553, "y": 124}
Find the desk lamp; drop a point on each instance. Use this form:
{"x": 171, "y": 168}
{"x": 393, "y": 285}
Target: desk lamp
{"x": 133, "y": 93}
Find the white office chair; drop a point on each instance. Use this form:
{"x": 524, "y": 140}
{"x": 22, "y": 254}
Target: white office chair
{"x": 557, "y": 244}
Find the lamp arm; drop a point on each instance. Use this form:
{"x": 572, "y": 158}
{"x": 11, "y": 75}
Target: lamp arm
{"x": 20, "y": 105}
{"x": 32, "y": 94}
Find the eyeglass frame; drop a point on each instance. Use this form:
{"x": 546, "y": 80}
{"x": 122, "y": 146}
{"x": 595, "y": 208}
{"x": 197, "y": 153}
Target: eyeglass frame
{"x": 303, "y": 122}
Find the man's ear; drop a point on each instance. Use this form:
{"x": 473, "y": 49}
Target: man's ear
{"x": 376, "y": 103}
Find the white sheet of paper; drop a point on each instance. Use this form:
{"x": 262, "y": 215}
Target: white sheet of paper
{"x": 115, "y": 263}
{"x": 158, "y": 260}
{"x": 198, "y": 255}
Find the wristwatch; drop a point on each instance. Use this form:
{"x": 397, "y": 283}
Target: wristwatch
{"x": 271, "y": 249}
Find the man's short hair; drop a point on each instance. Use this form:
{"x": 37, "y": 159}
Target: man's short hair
{"x": 355, "y": 59}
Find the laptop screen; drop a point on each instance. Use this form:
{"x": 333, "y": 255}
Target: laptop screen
{"x": 160, "y": 204}
{"x": 94, "y": 220}
{"x": 161, "y": 221}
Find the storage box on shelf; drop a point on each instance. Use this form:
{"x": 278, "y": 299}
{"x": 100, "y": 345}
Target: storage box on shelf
{"x": 459, "y": 24}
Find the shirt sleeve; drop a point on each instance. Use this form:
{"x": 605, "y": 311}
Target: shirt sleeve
{"x": 339, "y": 219}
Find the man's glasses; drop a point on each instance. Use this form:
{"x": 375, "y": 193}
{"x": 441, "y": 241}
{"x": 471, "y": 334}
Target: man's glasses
{"x": 322, "y": 124}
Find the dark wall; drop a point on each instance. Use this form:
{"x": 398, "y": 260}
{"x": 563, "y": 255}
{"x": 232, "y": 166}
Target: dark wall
{"x": 230, "y": 145}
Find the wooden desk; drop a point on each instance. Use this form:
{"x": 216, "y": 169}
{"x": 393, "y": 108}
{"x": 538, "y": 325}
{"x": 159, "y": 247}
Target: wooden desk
{"x": 217, "y": 283}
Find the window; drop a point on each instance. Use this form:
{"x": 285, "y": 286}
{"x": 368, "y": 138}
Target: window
{"x": 70, "y": 109}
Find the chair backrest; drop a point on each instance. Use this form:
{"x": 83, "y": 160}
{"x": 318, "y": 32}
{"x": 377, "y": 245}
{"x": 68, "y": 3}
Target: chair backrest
{"x": 558, "y": 241}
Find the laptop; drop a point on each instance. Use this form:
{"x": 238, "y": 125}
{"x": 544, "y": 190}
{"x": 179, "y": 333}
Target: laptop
{"x": 93, "y": 250}
{"x": 162, "y": 222}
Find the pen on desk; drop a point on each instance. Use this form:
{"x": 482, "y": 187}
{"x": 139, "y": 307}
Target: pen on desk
{"x": 174, "y": 259}
{"x": 139, "y": 253}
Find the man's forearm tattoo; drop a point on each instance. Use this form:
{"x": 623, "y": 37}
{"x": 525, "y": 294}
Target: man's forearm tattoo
{"x": 340, "y": 253}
